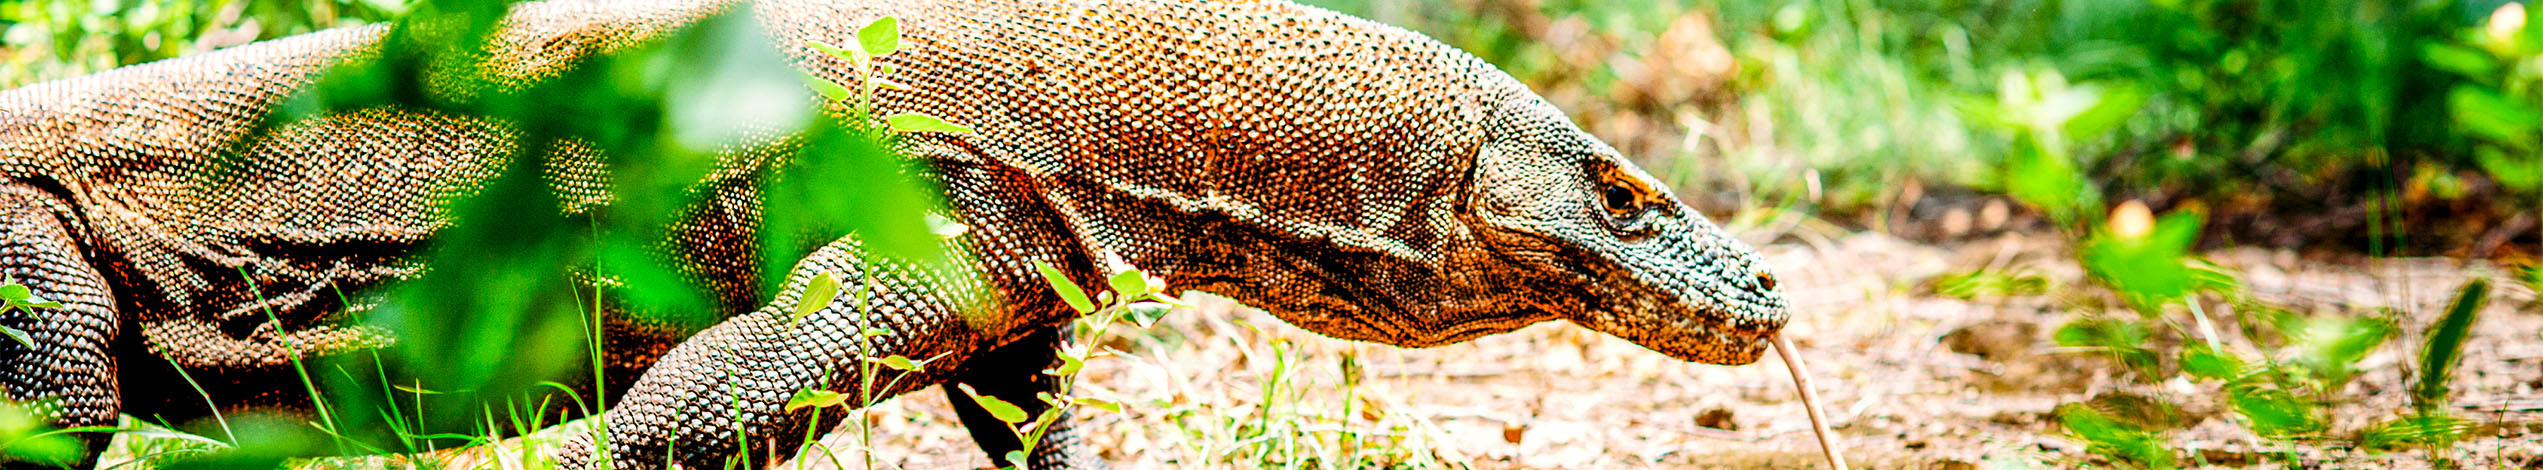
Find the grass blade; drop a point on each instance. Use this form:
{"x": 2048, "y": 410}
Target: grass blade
{"x": 2445, "y": 346}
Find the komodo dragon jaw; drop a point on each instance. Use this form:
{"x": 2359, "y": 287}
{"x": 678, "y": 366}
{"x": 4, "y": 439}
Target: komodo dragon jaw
{"x": 1612, "y": 250}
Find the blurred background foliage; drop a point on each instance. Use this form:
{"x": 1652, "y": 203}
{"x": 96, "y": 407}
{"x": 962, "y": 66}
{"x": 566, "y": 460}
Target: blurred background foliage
{"x": 2293, "y": 123}
{"x": 47, "y": 39}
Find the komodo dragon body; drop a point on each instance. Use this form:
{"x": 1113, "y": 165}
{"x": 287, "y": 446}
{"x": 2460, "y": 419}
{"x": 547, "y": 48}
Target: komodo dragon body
{"x": 1354, "y": 179}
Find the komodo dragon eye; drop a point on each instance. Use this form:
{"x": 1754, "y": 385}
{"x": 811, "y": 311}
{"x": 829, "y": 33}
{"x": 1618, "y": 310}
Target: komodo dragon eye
{"x": 1628, "y": 200}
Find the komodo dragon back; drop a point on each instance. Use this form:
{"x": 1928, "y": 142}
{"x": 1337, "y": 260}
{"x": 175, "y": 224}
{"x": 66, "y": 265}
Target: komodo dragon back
{"x": 1352, "y": 178}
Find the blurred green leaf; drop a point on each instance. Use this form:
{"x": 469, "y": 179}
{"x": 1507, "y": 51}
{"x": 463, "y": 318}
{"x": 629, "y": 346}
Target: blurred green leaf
{"x": 2494, "y": 117}
{"x": 2048, "y": 181}
{"x": 2436, "y": 430}
{"x": 2329, "y": 347}
{"x": 2199, "y": 361}
{"x": 2463, "y": 61}
{"x": 2149, "y": 413}
{"x": 2119, "y": 441}
{"x": 266, "y": 440}
{"x": 28, "y": 439}
{"x": 2123, "y": 340}
{"x": 1990, "y": 283}
{"x": 2517, "y": 170}
{"x": 2152, "y": 269}
{"x": 807, "y": 206}
{"x": 2110, "y": 107}
{"x": 2272, "y": 412}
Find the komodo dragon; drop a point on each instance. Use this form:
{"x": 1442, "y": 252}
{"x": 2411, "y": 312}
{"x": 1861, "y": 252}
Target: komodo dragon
{"x": 1351, "y": 178}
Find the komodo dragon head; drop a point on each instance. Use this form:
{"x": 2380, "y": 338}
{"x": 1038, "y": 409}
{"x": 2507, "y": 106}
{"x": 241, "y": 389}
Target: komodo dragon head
{"x": 1606, "y": 246}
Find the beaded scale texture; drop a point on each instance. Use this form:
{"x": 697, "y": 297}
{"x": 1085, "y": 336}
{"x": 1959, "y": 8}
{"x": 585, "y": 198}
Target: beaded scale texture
{"x": 1352, "y": 178}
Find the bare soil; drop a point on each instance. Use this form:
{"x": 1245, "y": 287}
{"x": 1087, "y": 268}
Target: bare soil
{"x": 1913, "y": 379}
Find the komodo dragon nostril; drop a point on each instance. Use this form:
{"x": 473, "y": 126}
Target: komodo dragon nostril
{"x": 1765, "y": 281}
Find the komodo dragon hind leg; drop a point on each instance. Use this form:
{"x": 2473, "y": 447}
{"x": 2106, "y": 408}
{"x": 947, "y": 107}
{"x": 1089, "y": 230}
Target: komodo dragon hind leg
{"x": 722, "y": 394}
{"x": 1014, "y": 373}
{"x": 68, "y": 378}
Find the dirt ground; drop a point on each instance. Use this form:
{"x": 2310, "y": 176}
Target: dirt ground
{"x": 1913, "y": 379}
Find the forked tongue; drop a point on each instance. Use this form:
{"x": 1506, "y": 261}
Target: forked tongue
{"x": 1810, "y": 401}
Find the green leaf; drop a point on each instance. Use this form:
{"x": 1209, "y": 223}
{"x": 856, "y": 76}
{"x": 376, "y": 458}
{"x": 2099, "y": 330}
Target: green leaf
{"x": 2151, "y": 270}
{"x": 1015, "y": 459}
{"x": 833, "y": 51}
{"x": 1098, "y": 403}
{"x": 815, "y": 398}
{"x": 2115, "y": 439}
{"x": 1069, "y": 364}
{"x": 2123, "y": 340}
{"x": 2114, "y": 106}
{"x": 2047, "y": 180}
{"x": 2275, "y": 413}
{"x": 2463, "y": 61}
{"x": 874, "y": 332}
{"x": 887, "y": 84}
{"x": 897, "y": 361}
{"x": 1130, "y": 283}
{"x": 1069, "y": 292}
{"x": 2445, "y": 346}
{"x": 817, "y": 294}
{"x": 15, "y": 292}
{"x": 2488, "y": 115}
{"x": 18, "y": 335}
{"x": 2199, "y": 361}
{"x": 2330, "y": 346}
{"x": 1146, "y": 313}
{"x": 915, "y": 122}
{"x": 2431, "y": 430}
{"x": 829, "y": 90}
{"x": 997, "y": 408}
{"x": 881, "y": 37}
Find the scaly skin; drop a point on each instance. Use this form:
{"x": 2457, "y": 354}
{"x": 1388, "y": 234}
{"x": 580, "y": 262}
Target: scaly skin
{"x": 1355, "y": 179}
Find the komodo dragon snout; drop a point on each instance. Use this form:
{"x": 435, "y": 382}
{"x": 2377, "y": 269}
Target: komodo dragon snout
{"x": 1606, "y": 246}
